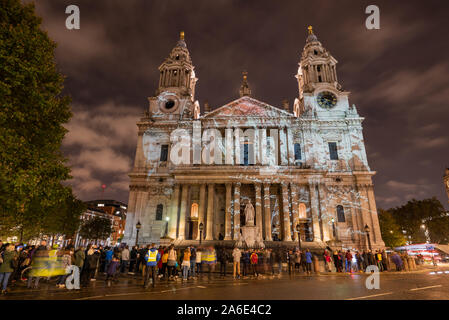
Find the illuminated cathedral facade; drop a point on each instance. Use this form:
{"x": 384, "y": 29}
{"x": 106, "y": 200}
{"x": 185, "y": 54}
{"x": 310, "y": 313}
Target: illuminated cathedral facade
{"x": 302, "y": 166}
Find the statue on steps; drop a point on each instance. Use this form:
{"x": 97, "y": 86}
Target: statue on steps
{"x": 249, "y": 214}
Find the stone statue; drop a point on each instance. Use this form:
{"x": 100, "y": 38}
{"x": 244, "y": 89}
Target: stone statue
{"x": 249, "y": 214}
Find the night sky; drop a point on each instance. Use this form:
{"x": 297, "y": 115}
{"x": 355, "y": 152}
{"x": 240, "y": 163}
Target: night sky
{"x": 397, "y": 76}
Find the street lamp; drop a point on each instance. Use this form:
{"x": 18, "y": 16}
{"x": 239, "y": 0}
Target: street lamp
{"x": 367, "y": 235}
{"x": 167, "y": 218}
{"x": 138, "y": 226}
{"x": 201, "y": 231}
{"x": 298, "y": 228}
{"x": 334, "y": 232}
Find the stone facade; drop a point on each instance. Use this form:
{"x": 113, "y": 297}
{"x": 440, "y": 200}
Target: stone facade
{"x": 306, "y": 166}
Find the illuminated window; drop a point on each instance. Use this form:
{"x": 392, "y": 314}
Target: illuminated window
{"x": 340, "y": 214}
{"x": 100, "y": 205}
{"x": 194, "y": 210}
{"x": 302, "y": 211}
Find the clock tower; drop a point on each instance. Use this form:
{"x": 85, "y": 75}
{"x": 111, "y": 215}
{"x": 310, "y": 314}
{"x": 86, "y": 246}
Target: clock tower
{"x": 175, "y": 96}
{"x": 320, "y": 94}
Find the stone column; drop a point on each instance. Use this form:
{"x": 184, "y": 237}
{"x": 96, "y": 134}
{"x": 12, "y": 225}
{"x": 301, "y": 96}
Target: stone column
{"x": 201, "y": 207}
{"x": 228, "y": 229}
{"x": 325, "y": 218}
{"x": 290, "y": 147}
{"x": 258, "y": 208}
{"x": 286, "y": 213}
{"x": 210, "y": 211}
{"x": 314, "y": 207}
{"x": 374, "y": 217}
{"x": 267, "y": 211}
{"x": 283, "y": 146}
{"x": 182, "y": 213}
{"x": 174, "y": 213}
{"x": 236, "y": 210}
{"x": 295, "y": 207}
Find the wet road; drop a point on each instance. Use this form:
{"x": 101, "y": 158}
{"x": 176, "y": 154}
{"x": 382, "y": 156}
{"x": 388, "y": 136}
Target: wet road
{"x": 403, "y": 286}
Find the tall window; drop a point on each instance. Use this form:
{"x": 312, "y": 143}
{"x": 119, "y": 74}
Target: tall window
{"x": 159, "y": 210}
{"x": 164, "y": 152}
{"x": 333, "y": 150}
{"x": 194, "y": 210}
{"x": 340, "y": 214}
{"x": 302, "y": 212}
{"x": 297, "y": 152}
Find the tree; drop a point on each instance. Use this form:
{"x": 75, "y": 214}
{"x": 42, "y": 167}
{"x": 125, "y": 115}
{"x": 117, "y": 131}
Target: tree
{"x": 97, "y": 228}
{"x": 417, "y": 216}
{"x": 390, "y": 230}
{"x": 32, "y": 115}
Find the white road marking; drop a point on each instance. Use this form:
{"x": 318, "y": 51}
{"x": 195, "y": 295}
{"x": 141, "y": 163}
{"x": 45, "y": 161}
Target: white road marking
{"x": 423, "y": 288}
{"x": 371, "y": 296}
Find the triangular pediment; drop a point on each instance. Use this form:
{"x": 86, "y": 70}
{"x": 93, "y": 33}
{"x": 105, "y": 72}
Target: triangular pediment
{"x": 248, "y": 107}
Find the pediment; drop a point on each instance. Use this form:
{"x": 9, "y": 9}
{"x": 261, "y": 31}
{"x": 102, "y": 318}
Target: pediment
{"x": 248, "y": 107}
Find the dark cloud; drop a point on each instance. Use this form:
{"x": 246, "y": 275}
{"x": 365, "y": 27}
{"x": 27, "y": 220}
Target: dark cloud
{"x": 397, "y": 76}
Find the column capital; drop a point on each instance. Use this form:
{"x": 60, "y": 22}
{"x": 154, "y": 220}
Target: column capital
{"x": 257, "y": 185}
{"x": 266, "y": 185}
{"x": 228, "y": 185}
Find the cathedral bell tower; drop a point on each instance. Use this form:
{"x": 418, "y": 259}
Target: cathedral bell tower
{"x": 175, "y": 95}
{"x": 318, "y": 85}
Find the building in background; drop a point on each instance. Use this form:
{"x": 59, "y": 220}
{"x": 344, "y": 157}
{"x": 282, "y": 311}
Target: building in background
{"x": 113, "y": 210}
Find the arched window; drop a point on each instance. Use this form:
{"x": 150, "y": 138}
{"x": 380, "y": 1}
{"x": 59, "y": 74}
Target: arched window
{"x": 302, "y": 211}
{"x": 194, "y": 210}
{"x": 340, "y": 214}
{"x": 159, "y": 210}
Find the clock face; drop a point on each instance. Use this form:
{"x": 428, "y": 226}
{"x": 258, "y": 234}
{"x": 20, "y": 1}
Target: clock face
{"x": 327, "y": 100}
{"x": 168, "y": 102}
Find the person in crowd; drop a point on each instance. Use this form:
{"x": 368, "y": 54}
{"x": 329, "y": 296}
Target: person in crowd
{"x": 348, "y": 261}
{"x": 336, "y": 259}
{"x": 236, "y": 256}
{"x": 297, "y": 260}
{"x": 163, "y": 261}
{"x": 359, "y": 258}
{"x": 171, "y": 262}
{"x": 124, "y": 265}
{"x": 198, "y": 261}
{"x": 132, "y": 259}
{"x": 90, "y": 265}
{"x": 141, "y": 259}
{"x": 9, "y": 262}
{"x": 327, "y": 260}
{"x": 38, "y": 264}
{"x": 246, "y": 261}
{"x": 223, "y": 259}
{"x": 254, "y": 259}
{"x": 152, "y": 257}
{"x": 397, "y": 261}
{"x": 371, "y": 258}
{"x": 365, "y": 261}
{"x": 113, "y": 268}
{"x": 66, "y": 260}
{"x": 290, "y": 261}
{"x": 209, "y": 259}
{"x": 108, "y": 258}
{"x": 384, "y": 260}
{"x": 378, "y": 256}
{"x": 185, "y": 264}
{"x": 260, "y": 262}
{"x": 309, "y": 261}
{"x": 192, "y": 262}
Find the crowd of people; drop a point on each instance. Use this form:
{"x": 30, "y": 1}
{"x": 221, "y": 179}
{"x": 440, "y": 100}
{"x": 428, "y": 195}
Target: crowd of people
{"x": 77, "y": 268}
